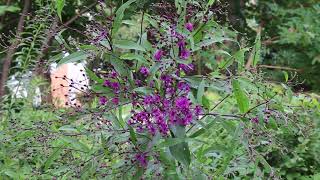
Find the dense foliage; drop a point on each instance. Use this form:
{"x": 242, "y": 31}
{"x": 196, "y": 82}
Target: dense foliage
{"x": 175, "y": 93}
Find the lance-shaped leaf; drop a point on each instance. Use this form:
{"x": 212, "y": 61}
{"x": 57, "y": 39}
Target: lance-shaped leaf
{"x": 241, "y": 97}
{"x": 119, "y": 16}
{"x": 74, "y": 57}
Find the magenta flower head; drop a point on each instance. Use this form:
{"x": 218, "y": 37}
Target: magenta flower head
{"x": 141, "y": 158}
{"x": 184, "y": 54}
{"x": 144, "y": 71}
{"x": 107, "y": 83}
{"x": 255, "y": 120}
{"x": 182, "y": 103}
{"x": 115, "y": 101}
{"x": 103, "y": 100}
{"x": 158, "y": 55}
{"x": 189, "y": 26}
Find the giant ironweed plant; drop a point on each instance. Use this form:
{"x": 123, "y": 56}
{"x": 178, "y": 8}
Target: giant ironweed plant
{"x": 177, "y": 102}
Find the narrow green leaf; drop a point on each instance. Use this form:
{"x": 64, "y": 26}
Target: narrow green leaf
{"x": 211, "y": 41}
{"x": 131, "y": 56}
{"x": 144, "y": 90}
{"x": 204, "y": 129}
{"x": 286, "y": 76}
{"x": 181, "y": 153}
{"x": 68, "y": 128}
{"x": 200, "y": 91}
{"x": 210, "y": 2}
{"x": 239, "y": 56}
{"x": 74, "y": 57}
{"x": 119, "y": 66}
{"x": 241, "y": 97}
{"x": 172, "y": 142}
{"x": 119, "y": 16}
{"x": 101, "y": 89}
{"x": 93, "y": 76}
{"x": 4, "y": 9}
{"x": 130, "y": 45}
{"x": 53, "y": 157}
{"x": 59, "y": 7}
{"x": 257, "y": 49}
{"x": 133, "y": 135}
{"x": 75, "y": 143}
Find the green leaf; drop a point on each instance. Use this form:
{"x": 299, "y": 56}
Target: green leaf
{"x": 286, "y": 76}
{"x": 172, "y": 142}
{"x": 181, "y": 153}
{"x": 204, "y": 129}
{"x": 241, "y": 97}
{"x": 210, "y": 2}
{"x": 4, "y": 9}
{"x": 68, "y": 128}
{"x": 93, "y": 76}
{"x": 257, "y": 49}
{"x": 126, "y": 44}
{"x": 75, "y": 143}
{"x": 200, "y": 91}
{"x": 211, "y": 41}
{"x": 74, "y": 57}
{"x": 131, "y": 56}
{"x": 101, "y": 89}
{"x": 119, "y": 66}
{"x": 239, "y": 56}
{"x": 144, "y": 90}
{"x": 138, "y": 174}
{"x": 226, "y": 63}
{"x": 119, "y": 16}
{"x": 133, "y": 135}
{"x": 53, "y": 157}
{"x": 59, "y": 38}
{"x": 59, "y": 7}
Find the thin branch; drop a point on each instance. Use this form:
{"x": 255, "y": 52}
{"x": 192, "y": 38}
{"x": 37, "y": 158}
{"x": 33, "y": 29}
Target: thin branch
{"x": 12, "y": 49}
{"x": 279, "y": 67}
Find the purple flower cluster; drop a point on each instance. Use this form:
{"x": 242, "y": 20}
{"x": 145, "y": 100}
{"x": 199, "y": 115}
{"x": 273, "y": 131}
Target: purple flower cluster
{"x": 158, "y": 55}
{"x": 144, "y": 71}
{"x": 112, "y": 83}
{"x": 160, "y": 111}
{"x": 184, "y": 53}
{"x": 141, "y": 158}
{"x": 189, "y": 26}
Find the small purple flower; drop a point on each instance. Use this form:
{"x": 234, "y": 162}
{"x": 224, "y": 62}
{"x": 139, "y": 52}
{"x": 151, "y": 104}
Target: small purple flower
{"x": 152, "y": 83}
{"x": 113, "y": 74}
{"x": 181, "y": 44}
{"x": 115, "y": 101}
{"x": 182, "y": 86}
{"x": 166, "y": 103}
{"x": 186, "y": 67}
{"x": 158, "y": 54}
{"x": 255, "y": 120}
{"x": 103, "y": 100}
{"x": 138, "y": 82}
{"x": 141, "y": 158}
{"x": 182, "y": 103}
{"x": 144, "y": 71}
{"x": 189, "y": 26}
{"x": 197, "y": 110}
{"x": 184, "y": 54}
{"x": 147, "y": 100}
{"x": 107, "y": 83}
{"x": 115, "y": 85}
{"x": 152, "y": 129}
